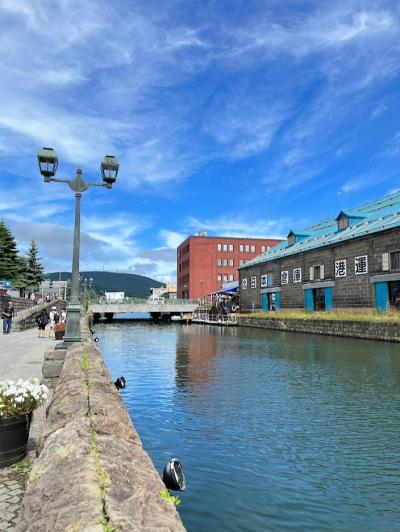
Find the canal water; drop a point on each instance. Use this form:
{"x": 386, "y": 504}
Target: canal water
{"x": 276, "y": 431}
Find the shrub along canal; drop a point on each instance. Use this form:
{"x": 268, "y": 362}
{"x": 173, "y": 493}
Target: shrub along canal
{"x": 275, "y": 430}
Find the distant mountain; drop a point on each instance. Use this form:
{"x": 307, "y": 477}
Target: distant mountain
{"x": 133, "y": 285}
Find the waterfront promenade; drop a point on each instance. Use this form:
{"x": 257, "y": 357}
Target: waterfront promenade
{"x": 21, "y": 356}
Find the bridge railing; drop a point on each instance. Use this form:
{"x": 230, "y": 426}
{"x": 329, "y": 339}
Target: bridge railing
{"x": 142, "y": 301}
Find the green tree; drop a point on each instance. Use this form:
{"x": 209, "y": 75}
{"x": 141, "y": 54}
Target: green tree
{"x": 20, "y": 281}
{"x": 33, "y": 270}
{"x": 10, "y": 266}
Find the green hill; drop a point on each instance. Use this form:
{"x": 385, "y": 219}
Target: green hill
{"x": 133, "y": 285}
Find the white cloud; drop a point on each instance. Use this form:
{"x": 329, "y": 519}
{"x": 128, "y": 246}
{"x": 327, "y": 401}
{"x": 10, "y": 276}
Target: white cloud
{"x": 235, "y": 226}
{"x": 172, "y": 239}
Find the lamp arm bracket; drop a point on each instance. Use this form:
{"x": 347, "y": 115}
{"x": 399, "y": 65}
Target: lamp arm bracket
{"x": 56, "y": 180}
{"x": 96, "y": 184}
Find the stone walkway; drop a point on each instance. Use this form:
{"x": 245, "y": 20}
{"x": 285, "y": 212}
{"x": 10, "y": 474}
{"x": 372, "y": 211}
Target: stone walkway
{"x": 21, "y": 355}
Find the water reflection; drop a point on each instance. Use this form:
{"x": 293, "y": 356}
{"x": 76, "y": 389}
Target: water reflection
{"x": 276, "y": 430}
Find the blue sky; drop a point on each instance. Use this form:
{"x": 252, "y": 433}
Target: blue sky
{"x": 232, "y": 117}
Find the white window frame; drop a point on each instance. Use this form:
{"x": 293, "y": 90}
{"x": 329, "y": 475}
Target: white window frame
{"x": 287, "y": 276}
{"x": 219, "y": 247}
{"x": 253, "y": 249}
{"x": 230, "y": 247}
{"x": 219, "y": 262}
{"x": 253, "y": 282}
{"x": 231, "y": 263}
{"x": 241, "y": 248}
{"x": 244, "y": 283}
{"x": 225, "y": 247}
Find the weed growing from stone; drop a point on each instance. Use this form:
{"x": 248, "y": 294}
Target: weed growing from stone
{"x": 165, "y": 494}
{"x": 102, "y": 476}
{"x": 22, "y": 468}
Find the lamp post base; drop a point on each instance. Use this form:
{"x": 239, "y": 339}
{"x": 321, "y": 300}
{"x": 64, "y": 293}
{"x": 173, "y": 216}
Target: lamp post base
{"x": 72, "y": 327}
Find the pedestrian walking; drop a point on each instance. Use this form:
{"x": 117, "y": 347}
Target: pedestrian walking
{"x": 63, "y": 317}
{"x": 42, "y": 319}
{"x": 8, "y": 314}
{"x": 54, "y": 318}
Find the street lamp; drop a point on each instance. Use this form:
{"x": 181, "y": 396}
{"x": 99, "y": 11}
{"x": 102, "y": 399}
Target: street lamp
{"x": 48, "y": 163}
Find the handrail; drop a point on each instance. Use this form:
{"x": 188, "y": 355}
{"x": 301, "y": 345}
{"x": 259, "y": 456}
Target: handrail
{"x": 143, "y": 301}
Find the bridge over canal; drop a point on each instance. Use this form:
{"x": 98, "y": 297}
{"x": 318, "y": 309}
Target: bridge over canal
{"x": 157, "y": 308}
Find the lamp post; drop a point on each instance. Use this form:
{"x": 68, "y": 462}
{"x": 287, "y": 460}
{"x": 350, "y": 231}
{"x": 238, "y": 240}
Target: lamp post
{"x": 48, "y": 163}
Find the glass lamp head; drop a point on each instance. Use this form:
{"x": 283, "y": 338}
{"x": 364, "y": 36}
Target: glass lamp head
{"x": 48, "y": 163}
{"x": 109, "y": 170}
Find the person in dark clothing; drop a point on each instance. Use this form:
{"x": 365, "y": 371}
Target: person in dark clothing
{"x": 42, "y": 320}
{"x": 8, "y": 314}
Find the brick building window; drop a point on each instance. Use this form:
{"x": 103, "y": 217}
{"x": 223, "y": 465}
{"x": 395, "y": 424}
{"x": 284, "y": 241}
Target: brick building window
{"x": 219, "y": 277}
{"x": 395, "y": 260}
{"x": 224, "y": 262}
{"x": 253, "y": 282}
{"x": 219, "y": 262}
{"x": 244, "y": 283}
{"x": 231, "y": 263}
{"x": 262, "y": 249}
{"x": 253, "y": 249}
{"x": 247, "y": 248}
{"x": 241, "y": 248}
{"x": 230, "y": 247}
{"x": 225, "y": 277}
{"x": 231, "y": 277}
{"x": 225, "y": 247}
{"x": 219, "y": 247}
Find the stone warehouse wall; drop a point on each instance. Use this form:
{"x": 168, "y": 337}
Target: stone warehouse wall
{"x": 353, "y": 329}
{"x": 352, "y": 291}
{"x": 92, "y": 472}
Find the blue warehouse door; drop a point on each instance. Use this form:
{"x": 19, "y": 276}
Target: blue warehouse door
{"x": 382, "y": 296}
{"x": 328, "y": 298}
{"x": 309, "y": 299}
{"x": 277, "y": 301}
{"x": 264, "y": 302}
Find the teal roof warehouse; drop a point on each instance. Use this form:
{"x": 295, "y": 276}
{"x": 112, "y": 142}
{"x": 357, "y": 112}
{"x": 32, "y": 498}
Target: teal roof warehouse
{"x": 351, "y": 260}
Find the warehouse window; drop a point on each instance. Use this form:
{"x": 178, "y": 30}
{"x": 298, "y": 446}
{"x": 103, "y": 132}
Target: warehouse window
{"x": 395, "y": 260}
{"x": 231, "y": 263}
{"x": 219, "y": 277}
{"x": 230, "y": 247}
{"x": 219, "y": 247}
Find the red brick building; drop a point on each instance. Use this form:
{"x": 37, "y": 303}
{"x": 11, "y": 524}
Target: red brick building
{"x": 205, "y": 263}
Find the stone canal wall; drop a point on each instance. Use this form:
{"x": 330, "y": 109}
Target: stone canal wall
{"x": 353, "y": 329}
{"x": 92, "y": 472}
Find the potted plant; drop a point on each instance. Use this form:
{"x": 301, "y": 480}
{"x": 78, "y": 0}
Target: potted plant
{"x": 59, "y": 330}
{"x": 18, "y": 399}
